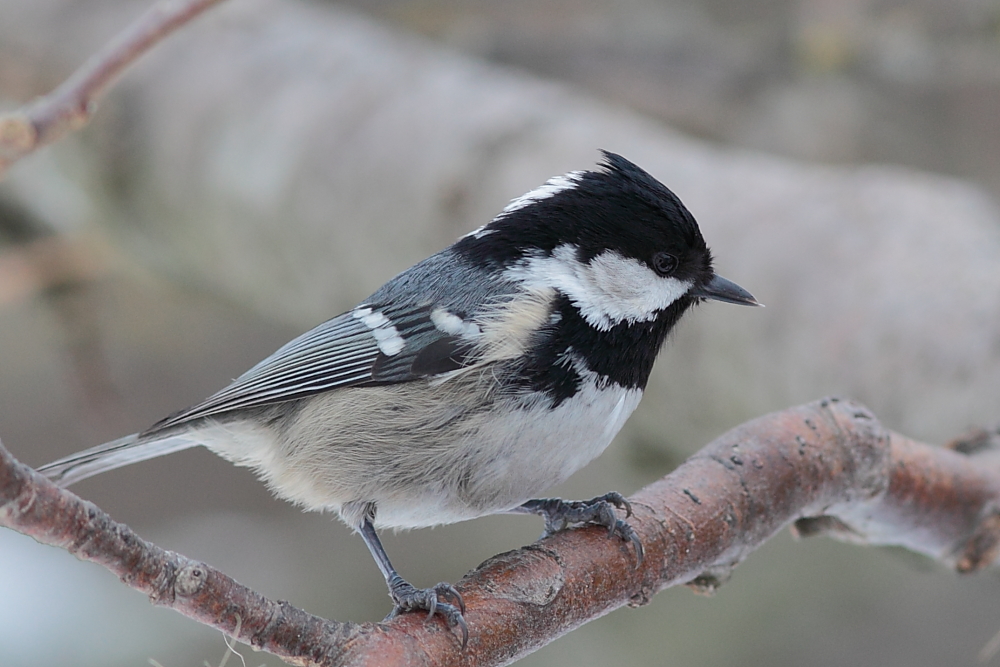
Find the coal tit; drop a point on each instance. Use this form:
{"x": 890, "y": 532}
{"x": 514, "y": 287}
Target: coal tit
{"x": 471, "y": 382}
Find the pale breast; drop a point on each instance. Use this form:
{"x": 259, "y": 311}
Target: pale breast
{"x": 428, "y": 455}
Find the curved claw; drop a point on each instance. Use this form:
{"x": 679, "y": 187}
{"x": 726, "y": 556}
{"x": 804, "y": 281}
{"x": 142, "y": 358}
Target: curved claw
{"x": 406, "y": 598}
{"x": 616, "y": 499}
{"x": 432, "y": 606}
{"x": 561, "y": 514}
{"x": 446, "y": 590}
{"x": 628, "y": 508}
{"x": 455, "y": 617}
{"x": 627, "y": 532}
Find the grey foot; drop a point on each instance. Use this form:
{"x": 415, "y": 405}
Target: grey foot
{"x": 561, "y": 514}
{"x": 437, "y": 600}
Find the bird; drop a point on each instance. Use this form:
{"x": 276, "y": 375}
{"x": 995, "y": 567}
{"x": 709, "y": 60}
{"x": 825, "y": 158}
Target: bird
{"x": 471, "y": 382}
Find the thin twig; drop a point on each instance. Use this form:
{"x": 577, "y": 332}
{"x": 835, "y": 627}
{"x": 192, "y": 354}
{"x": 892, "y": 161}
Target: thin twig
{"x": 71, "y": 105}
{"x": 828, "y": 466}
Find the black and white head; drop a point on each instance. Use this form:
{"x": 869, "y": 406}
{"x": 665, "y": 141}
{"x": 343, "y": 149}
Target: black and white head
{"x": 623, "y": 254}
{"x": 617, "y": 242}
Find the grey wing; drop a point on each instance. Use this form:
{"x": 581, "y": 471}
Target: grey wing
{"x": 342, "y": 352}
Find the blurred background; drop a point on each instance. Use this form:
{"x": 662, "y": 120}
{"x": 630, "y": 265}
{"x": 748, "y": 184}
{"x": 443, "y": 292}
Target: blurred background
{"x": 276, "y": 161}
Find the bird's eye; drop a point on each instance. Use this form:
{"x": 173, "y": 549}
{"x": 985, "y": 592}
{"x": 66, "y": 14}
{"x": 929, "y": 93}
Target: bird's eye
{"x": 664, "y": 263}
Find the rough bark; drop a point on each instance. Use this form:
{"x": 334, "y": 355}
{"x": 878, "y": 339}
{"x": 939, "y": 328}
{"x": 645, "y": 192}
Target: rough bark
{"x": 828, "y": 466}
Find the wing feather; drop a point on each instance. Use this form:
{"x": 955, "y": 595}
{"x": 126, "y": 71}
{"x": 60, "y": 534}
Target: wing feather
{"x": 341, "y": 352}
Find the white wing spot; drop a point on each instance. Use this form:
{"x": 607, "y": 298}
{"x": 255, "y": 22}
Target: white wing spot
{"x": 454, "y": 325}
{"x": 386, "y": 336}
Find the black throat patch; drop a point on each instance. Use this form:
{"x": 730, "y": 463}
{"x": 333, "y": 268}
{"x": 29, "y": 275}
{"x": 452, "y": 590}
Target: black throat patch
{"x": 622, "y": 355}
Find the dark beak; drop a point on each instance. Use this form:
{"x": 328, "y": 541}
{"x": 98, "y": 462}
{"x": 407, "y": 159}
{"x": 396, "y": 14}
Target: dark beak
{"x": 720, "y": 289}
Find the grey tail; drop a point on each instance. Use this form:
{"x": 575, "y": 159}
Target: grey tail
{"x": 111, "y": 455}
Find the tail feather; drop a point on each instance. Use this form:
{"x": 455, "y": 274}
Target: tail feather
{"x": 111, "y": 455}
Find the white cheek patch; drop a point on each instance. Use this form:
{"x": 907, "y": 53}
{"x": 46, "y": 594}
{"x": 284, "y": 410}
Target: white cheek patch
{"x": 608, "y": 290}
{"x": 627, "y": 289}
{"x": 389, "y": 341}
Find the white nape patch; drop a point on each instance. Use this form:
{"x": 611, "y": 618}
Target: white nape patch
{"x": 388, "y": 338}
{"x": 608, "y": 290}
{"x": 552, "y": 186}
{"x": 454, "y": 325}
{"x": 479, "y": 232}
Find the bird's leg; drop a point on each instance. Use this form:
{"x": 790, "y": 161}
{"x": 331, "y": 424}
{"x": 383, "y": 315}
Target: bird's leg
{"x": 405, "y": 597}
{"x": 562, "y": 514}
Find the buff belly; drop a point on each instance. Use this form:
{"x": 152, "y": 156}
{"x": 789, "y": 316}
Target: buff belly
{"x": 425, "y": 454}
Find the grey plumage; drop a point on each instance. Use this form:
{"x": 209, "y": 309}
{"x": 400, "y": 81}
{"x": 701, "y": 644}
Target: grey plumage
{"x": 459, "y": 448}
{"x": 472, "y": 381}
{"x": 115, "y": 454}
{"x": 382, "y": 442}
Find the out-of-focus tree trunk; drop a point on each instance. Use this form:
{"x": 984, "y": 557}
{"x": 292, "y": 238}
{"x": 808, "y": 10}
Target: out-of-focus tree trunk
{"x": 294, "y": 156}
{"x": 829, "y": 465}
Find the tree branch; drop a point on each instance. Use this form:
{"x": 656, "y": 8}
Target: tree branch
{"x": 70, "y": 106}
{"x": 828, "y": 466}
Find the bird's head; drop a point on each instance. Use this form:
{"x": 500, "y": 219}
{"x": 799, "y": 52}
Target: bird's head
{"x": 615, "y": 241}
